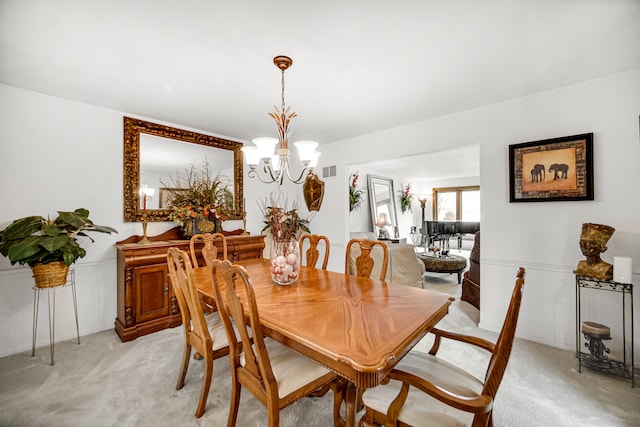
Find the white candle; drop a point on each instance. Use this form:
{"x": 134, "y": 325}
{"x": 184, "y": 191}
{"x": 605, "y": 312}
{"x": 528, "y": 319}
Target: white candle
{"x": 621, "y": 269}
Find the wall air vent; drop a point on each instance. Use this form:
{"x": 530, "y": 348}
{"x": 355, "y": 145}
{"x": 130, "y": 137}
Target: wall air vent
{"x": 329, "y": 171}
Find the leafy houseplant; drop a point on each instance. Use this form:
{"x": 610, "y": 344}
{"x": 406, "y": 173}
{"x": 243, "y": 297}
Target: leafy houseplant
{"x": 37, "y": 241}
{"x": 405, "y": 198}
{"x": 355, "y": 194}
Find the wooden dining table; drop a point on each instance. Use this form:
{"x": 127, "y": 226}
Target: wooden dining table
{"x": 357, "y": 327}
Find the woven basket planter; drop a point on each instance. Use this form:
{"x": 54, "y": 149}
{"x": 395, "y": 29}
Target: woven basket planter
{"x": 51, "y": 274}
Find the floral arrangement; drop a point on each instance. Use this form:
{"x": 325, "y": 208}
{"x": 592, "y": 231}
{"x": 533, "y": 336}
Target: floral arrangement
{"x": 435, "y": 250}
{"x": 284, "y": 223}
{"x": 355, "y": 194}
{"x": 199, "y": 196}
{"x": 405, "y": 198}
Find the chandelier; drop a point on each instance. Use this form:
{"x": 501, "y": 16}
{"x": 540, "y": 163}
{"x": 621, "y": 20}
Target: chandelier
{"x": 276, "y": 164}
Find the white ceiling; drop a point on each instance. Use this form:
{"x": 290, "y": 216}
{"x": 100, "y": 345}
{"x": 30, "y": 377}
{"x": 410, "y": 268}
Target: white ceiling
{"x": 359, "y": 66}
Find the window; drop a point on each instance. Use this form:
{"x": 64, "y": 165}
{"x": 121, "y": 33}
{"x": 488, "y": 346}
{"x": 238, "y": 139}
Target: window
{"x": 456, "y": 204}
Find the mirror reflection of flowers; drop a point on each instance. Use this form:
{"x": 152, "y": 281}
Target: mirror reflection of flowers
{"x": 284, "y": 223}
{"x": 197, "y": 196}
{"x": 405, "y": 198}
{"x": 355, "y": 194}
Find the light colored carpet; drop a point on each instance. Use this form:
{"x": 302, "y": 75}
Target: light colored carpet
{"x": 104, "y": 382}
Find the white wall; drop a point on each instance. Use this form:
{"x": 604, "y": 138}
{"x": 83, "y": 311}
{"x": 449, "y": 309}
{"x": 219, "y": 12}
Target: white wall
{"x": 57, "y": 154}
{"x": 542, "y": 237}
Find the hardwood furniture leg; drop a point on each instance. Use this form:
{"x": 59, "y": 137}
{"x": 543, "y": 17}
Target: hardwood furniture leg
{"x": 350, "y": 401}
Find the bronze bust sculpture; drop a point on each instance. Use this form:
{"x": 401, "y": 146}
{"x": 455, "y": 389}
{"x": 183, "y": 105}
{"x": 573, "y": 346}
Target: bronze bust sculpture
{"x": 593, "y": 241}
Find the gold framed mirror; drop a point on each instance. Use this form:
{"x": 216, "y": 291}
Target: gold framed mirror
{"x": 156, "y": 137}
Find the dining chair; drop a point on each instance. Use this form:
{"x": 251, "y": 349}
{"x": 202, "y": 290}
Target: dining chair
{"x": 425, "y": 390}
{"x": 209, "y": 250}
{"x": 206, "y": 335}
{"x": 312, "y": 254}
{"x": 275, "y": 374}
{"x": 364, "y": 263}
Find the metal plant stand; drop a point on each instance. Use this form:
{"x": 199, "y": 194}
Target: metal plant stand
{"x": 594, "y": 333}
{"x": 71, "y": 281}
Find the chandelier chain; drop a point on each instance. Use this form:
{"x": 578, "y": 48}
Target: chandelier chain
{"x": 282, "y": 85}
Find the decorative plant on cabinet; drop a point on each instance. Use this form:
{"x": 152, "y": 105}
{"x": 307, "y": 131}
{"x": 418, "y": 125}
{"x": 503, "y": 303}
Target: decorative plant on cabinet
{"x": 199, "y": 203}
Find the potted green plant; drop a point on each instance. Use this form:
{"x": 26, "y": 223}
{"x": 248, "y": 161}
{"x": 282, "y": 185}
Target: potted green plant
{"x": 48, "y": 246}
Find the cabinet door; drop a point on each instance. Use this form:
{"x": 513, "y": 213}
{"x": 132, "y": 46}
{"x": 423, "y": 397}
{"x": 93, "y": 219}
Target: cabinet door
{"x": 151, "y": 289}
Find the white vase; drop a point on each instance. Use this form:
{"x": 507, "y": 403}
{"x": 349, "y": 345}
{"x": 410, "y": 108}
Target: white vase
{"x": 285, "y": 262}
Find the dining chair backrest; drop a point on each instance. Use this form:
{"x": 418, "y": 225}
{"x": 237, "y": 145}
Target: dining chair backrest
{"x": 504, "y": 344}
{"x": 364, "y": 262}
{"x": 196, "y": 328}
{"x": 180, "y": 273}
{"x": 209, "y": 250}
{"x": 312, "y": 254}
{"x": 239, "y": 304}
{"x": 460, "y": 397}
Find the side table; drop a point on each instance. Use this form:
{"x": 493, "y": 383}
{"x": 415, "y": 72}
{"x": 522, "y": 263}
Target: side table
{"x": 71, "y": 281}
{"x": 593, "y": 332}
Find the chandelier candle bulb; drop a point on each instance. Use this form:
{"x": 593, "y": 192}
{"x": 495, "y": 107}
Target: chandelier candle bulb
{"x": 622, "y": 269}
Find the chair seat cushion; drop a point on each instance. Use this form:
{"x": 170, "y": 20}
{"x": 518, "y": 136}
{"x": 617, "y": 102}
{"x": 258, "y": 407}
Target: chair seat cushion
{"x": 216, "y": 329}
{"x": 291, "y": 370}
{"x": 420, "y": 409}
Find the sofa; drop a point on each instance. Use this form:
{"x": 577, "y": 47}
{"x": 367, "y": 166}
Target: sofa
{"x": 471, "y": 278}
{"x": 403, "y": 267}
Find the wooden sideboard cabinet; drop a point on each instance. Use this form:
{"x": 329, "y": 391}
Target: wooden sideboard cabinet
{"x": 146, "y": 302}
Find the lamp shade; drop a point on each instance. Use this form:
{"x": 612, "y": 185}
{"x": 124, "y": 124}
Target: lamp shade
{"x": 383, "y": 220}
{"x": 306, "y": 150}
{"x": 251, "y": 155}
{"x": 314, "y": 160}
{"x": 275, "y": 162}
{"x": 265, "y": 146}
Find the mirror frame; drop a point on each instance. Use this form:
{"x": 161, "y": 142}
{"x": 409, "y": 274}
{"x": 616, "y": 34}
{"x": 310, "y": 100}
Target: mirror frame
{"x": 373, "y": 180}
{"x": 131, "y": 174}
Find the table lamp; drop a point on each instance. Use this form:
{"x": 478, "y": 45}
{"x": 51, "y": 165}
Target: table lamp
{"x": 383, "y": 221}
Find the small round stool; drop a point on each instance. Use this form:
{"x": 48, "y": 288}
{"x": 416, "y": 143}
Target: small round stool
{"x": 594, "y": 333}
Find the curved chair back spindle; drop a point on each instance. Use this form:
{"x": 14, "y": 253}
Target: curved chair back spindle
{"x": 364, "y": 262}
{"x": 313, "y": 254}
{"x": 209, "y": 250}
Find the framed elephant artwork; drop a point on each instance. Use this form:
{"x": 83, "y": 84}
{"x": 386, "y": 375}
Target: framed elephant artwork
{"x": 555, "y": 169}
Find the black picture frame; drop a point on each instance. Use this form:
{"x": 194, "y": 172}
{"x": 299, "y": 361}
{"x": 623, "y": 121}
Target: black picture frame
{"x": 557, "y": 169}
